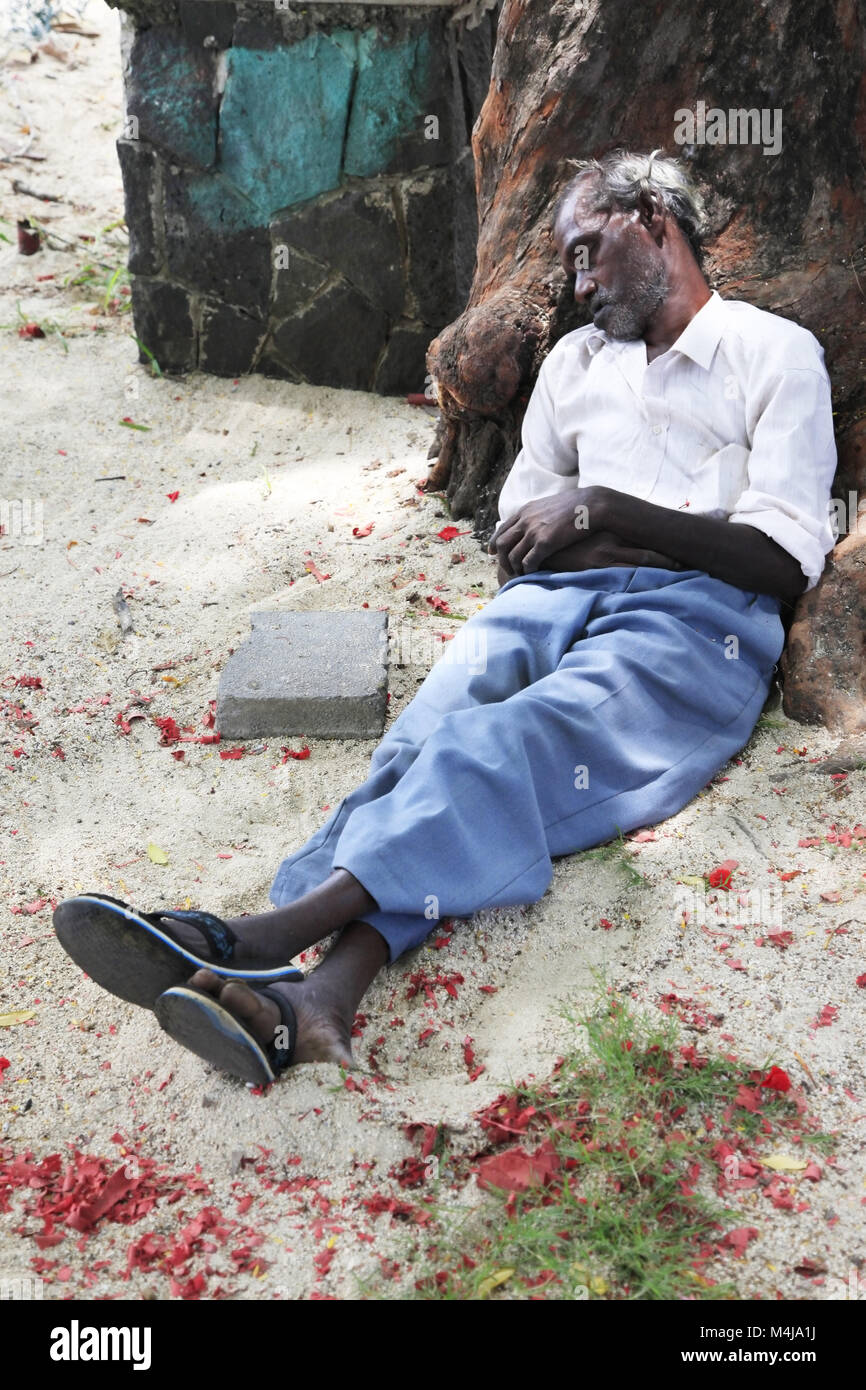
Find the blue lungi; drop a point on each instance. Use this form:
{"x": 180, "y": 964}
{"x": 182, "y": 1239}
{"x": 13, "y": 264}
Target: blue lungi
{"x": 572, "y": 707}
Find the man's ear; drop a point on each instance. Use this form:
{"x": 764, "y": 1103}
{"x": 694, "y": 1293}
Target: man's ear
{"x": 652, "y": 212}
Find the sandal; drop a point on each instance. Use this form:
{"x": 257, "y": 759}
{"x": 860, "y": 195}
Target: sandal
{"x": 132, "y": 955}
{"x": 203, "y": 1025}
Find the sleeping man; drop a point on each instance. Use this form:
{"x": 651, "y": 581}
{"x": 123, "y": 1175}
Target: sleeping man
{"x": 670, "y": 496}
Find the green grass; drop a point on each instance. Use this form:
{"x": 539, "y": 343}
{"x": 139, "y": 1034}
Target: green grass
{"x": 624, "y": 1115}
{"x": 155, "y": 369}
{"x": 123, "y": 304}
{"x": 103, "y": 282}
{"x": 102, "y": 278}
{"x": 47, "y": 325}
{"x": 615, "y": 852}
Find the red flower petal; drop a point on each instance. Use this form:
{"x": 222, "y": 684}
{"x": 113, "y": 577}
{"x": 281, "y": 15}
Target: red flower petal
{"x": 515, "y": 1170}
{"x": 738, "y": 1240}
{"x": 777, "y": 1080}
{"x": 721, "y": 877}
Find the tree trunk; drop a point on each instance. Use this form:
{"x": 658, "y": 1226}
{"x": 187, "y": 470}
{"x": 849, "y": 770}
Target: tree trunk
{"x": 576, "y": 78}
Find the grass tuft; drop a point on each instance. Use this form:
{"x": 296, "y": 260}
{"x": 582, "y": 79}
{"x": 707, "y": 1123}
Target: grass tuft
{"x": 605, "y": 1180}
{"x": 616, "y": 852}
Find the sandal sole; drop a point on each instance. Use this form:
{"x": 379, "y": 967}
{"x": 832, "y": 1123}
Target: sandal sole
{"x": 201, "y": 1024}
{"x": 130, "y": 958}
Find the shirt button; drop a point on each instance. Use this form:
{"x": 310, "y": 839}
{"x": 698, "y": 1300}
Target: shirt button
{"x": 657, "y": 429}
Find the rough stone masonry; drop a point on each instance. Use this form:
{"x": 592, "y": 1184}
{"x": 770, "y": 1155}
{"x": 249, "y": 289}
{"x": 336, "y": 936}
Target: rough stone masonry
{"x": 299, "y": 184}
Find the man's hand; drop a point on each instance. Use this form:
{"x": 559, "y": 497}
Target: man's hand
{"x": 604, "y": 549}
{"x": 544, "y": 526}
{"x": 600, "y": 550}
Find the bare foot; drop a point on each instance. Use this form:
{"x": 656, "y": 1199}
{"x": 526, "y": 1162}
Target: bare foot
{"x": 324, "y": 1029}
{"x": 260, "y": 946}
{"x": 270, "y": 939}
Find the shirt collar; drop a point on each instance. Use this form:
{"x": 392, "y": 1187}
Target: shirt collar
{"x": 700, "y": 337}
{"x": 698, "y": 340}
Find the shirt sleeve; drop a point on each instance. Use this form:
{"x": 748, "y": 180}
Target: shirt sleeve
{"x": 546, "y": 464}
{"x": 791, "y": 468}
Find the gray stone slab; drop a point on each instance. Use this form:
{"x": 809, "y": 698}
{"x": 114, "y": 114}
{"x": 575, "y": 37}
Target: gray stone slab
{"x": 320, "y": 675}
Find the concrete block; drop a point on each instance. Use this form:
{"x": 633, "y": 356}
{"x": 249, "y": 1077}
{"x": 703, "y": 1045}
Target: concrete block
{"x": 320, "y": 675}
{"x": 428, "y": 202}
{"x": 283, "y": 119}
{"x": 213, "y": 20}
{"x": 400, "y": 81}
{"x": 214, "y": 242}
{"x": 403, "y": 365}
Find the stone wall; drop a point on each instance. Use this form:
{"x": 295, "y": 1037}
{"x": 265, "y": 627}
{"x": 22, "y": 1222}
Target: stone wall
{"x": 299, "y": 183}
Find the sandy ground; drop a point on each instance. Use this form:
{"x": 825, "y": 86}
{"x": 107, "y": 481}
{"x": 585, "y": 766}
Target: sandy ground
{"x": 269, "y": 476}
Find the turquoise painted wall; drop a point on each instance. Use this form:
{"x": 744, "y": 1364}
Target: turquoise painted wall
{"x": 392, "y": 97}
{"x": 294, "y": 120}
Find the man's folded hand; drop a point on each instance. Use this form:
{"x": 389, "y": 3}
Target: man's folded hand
{"x": 600, "y": 550}
{"x": 542, "y": 527}
{"x": 603, "y": 549}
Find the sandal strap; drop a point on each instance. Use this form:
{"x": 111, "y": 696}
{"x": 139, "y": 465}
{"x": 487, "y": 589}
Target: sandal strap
{"x": 217, "y": 933}
{"x": 281, "y": 1057}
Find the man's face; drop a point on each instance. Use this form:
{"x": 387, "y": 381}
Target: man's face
{"x": 620, "y": 272}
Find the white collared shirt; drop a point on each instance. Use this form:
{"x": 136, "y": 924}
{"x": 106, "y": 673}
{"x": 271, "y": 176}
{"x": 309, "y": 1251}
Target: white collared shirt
{"x": 733, "y": 421}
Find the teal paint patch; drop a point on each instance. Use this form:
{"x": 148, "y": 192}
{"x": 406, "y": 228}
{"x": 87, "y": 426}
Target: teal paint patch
{"x": 392, "y": 95}
{"x": 294, "y": 120}
{"x": 172, "y": 96}
{"x": 216, "y": 203}
{"x": 283, "y": 119}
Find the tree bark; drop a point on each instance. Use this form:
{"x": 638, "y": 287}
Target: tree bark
{"x": 576, "y": 78}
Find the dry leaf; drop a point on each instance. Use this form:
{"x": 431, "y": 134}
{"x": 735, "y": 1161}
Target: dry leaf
{"x": 782, "y": 1163}
{"x": 156, "y": 855}
{"x": 18, "y": 1016}
{"x": 493, "y": 1281}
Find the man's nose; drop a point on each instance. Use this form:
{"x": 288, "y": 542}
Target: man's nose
{"x": 584, "y": 285}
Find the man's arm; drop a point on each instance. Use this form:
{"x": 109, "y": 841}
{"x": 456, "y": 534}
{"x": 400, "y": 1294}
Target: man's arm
{"x": 784, "y": 511}
{"x": 563, "y": 533}
{"x": 545, "y": 464}
{"x": 778, "y": 534}
{"x": 740, "y": 555}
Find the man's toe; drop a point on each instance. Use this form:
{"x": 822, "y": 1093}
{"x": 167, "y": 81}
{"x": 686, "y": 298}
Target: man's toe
{"x": 208, "y": 981}
{"x": 249, "y": 1008}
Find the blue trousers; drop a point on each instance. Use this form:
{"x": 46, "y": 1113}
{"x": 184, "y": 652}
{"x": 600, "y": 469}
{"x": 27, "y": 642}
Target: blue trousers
{"x": 571, "y": 708}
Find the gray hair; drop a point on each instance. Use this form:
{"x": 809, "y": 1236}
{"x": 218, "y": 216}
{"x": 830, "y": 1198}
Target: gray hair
{"x": 621, "y": 177}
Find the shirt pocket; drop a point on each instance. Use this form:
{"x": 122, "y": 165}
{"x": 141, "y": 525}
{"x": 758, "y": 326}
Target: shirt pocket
{"x": 719, "y": 481}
